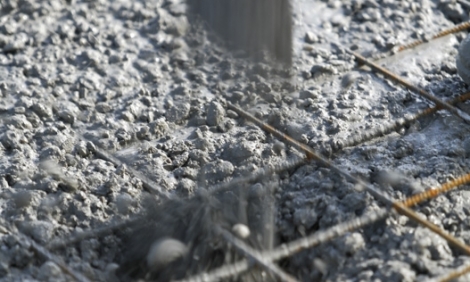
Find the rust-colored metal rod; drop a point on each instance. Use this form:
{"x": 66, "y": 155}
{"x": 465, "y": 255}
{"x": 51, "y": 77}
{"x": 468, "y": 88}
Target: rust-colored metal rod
{"x": 310, "y": 153}
{"x": 385, "y": 199}
{"x": 323, "y": 236}
{"x": 432, "y": 193}
{"x": 411, "y": 87}
{"x": 362, "y": 221}
{"x": 383, "y": 130}
{"x": 286, "y": 250}
{"x": 401, "y": 208}
{"x": 453, "y": 274}
{"x": 460, "y": 27}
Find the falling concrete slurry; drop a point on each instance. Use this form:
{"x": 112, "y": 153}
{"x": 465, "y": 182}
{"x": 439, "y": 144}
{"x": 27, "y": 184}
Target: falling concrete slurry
{"x": 139, "y": 81}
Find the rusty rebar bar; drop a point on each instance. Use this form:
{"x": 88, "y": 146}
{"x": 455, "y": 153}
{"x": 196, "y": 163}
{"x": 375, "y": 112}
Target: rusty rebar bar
{"x": 385, "y": 129}
{"x": 464, "y": 116}
{"x": 460, "y": 27}
{"x": 323, "y": 236}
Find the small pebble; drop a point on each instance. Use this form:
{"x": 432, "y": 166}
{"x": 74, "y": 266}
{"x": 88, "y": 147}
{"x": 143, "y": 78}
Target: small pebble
{"x": 49, "y": 270}
{"x": 178, "y": 112}
{"x": 164, "y": 252}
{"x": 311, "y": 38}
{"x": 215, "y": 114}
{"x": 22, "y": 199}
{"x": 241, "y": 230}
{"x": 348, "y": 79}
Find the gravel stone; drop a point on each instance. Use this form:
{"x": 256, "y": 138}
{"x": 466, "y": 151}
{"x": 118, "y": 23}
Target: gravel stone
{"x": 40, "y": 231}
{"x": 19, "y": 122}
{"x": 128, "y": 116}
{"x": 165, "y": 251}
{"x": 22, "y": 199}
{"x": 178, "y": 113}
{"x": 311, "y": 38}
{"x": 186, "y": 185}
{"x": 67, "y": 116}
{"x": 305, "y": 218}
{"x": 214, "y": 172}
{"x": 159, "y": 128}
{"x": 239, "y": 152}
{"x": 143, "y": 82}
{"x": 215, "y": 114}
{"x": 322, "y": 70}
{"x": 241, "y": 230}
{"x": 42, "y": 110}
{"x": 305, "y": 94}
{"x": 50, "y": 271}
{"x": 81, "y": 149}
{"x": 352, "y": 243}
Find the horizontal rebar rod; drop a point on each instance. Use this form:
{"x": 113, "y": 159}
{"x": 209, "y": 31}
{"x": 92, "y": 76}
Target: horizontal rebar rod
{"x": 311, "y": 154}
{"x": 457, "y": 28}
{"x": 385, "y": 199}
{"x": 460, "y": 27}
{"x": 385, "y": 129}
{"x": 432, "y": 193}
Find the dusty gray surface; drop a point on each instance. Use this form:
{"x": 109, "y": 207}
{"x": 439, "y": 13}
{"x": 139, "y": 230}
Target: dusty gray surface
{"x": 134, "y": 78}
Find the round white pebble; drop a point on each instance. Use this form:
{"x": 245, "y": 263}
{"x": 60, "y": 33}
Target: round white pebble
{"x": 164, "y": 251}
{"x": 241, "y": 230}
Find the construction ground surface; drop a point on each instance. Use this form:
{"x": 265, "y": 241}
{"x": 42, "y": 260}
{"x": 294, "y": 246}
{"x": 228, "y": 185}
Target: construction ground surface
{"x": 134, "y": 147}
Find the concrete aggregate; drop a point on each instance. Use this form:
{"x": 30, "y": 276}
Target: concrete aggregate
{"x": 143, "y": 82}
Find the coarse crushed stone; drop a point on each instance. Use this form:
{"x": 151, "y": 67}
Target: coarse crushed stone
{"x": 137, "y": 80}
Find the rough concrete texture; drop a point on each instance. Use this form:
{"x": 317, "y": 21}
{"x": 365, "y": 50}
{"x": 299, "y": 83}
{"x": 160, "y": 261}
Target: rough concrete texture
{"x": 139, "y": 81}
